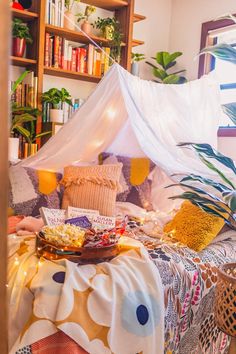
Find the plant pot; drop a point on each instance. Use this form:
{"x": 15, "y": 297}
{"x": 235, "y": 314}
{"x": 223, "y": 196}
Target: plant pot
{"x": 69, "y": 20}
{"x": 18, "y": 47}
{"x": 135, "y": 69}
{"x": 13, "y": 149}
{"x": 86, "y": 27}
{"x": 108, "y": 32}
{"x": 56, "y": 116}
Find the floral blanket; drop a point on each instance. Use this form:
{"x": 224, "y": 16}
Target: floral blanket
{"x": 188, "y": 279}
{"x": 101, "y": 307}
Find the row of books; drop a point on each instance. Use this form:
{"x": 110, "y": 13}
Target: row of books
{"x": 25, "y": 149}
{"x": 61, "y": 53}
{"x": 55, "y": 12}
{"x": 26, "y": 92}
{"x": 68, "y": 110}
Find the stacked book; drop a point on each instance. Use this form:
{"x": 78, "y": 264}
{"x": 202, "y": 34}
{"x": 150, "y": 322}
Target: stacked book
{"x": 55, "y": 12}
{"x": 26, "y": 92}
{"x": 66, "y": 55}
{"x": 68, "y": 110}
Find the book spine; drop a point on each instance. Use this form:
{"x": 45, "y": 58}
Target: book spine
{"x": 78, "y": 54}
{"x": 46, "y": 55}
{"x": 56, "y": 52}
{"x": 69, "y": 59}
{"x": 90, "y": 59}
{"x": 47, "y": 13}
{"x": 73, "y": 62}
{"x": 62, "y": 12}
{"x": 56, "y": 20}
{"x": 83, "y": 60}
{"x": 60, "y": 53}
{"x": 106, "y": 59}
{"x": 35, "y": 91}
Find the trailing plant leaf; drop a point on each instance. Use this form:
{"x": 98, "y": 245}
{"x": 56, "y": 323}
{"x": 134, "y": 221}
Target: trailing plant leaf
{"x": 206, "y": 181}
{"x": 171, "y": 79}
{"x": 230, "y": 110}
{"x": 19, "y": 81}
{"x": 230, "y": 199}
{"x": 221, "y": 51}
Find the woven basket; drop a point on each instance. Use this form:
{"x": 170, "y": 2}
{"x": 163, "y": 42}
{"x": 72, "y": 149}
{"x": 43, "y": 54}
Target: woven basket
{"x": 225, "y": 305}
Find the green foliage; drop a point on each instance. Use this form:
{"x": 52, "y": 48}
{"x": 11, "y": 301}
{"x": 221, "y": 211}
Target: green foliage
{"x": 115, "y": 34}
{"x": 165, "y": 62}
{"x": 223, "y": 204}
{"x": 56, "y": 97}
{"x": 136, "y": 57}
{"x": 89, "y": 10}
{"x": 21, "y": 30}
{"x": 70, "y": 3}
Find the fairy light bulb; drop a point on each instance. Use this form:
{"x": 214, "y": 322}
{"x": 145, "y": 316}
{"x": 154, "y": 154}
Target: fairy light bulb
{"x": 16, "y": 263}
{"x": 111, "y": 113}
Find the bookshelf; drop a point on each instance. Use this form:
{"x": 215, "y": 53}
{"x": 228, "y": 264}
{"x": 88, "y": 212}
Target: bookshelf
{"x": 34, "y": 60}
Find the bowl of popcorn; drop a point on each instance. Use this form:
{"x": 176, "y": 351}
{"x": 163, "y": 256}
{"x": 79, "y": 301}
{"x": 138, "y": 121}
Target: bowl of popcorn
{"x": 77, "y": 244}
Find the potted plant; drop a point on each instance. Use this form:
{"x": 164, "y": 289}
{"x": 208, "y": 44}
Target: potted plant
{"x": 56, "y": 98}
{"x": 110, "y": 29}
{"x": 166, "y": 61}
{"x": 136, "y": 58}
{"x": 86, "y": 26}
{"x": 21, "y": 36}
{"x": 69, "y": 18}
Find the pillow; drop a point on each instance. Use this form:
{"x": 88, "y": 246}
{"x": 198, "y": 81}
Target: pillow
{"x": 136, "y": 187}
{"x": 32, "y": 189}
{"x": 92, "y": 187}
{"x": 194, "y": 227}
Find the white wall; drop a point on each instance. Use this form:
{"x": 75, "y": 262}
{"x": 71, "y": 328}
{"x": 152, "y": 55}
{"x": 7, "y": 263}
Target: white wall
{"x": 185, "y": 34}
{"x": 155, "y": 30}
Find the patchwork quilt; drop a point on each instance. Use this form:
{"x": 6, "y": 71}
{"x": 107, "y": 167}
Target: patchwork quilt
{"x": 123, "y": 313}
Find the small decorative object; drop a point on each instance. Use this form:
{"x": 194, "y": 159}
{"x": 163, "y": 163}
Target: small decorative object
{"x": 21, "y": 36}
{"x": 26, "y": 4}
{"x": 86, "y": 26}
{"x": 56, "y": 98}
{"x": 136, "y": 58}
{"x": 69, "y": 20}
{"x": 166, "y": 61}
{"x": 16, "y": 5}
{"x": 110, "y": 29}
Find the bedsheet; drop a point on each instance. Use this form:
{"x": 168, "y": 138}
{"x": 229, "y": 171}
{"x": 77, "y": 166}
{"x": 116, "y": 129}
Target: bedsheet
{"x": 188, "y": 279}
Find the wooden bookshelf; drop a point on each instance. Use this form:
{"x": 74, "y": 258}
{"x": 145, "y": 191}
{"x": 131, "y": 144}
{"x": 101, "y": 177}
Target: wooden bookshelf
{"x": 138, "y": 18}
{"x": 24, "y": 62}
{"x": 71, "y": 74}
{"x": 26, "y": 16}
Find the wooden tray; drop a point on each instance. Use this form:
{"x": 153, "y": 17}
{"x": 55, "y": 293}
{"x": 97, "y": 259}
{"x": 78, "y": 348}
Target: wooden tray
{"x": 80, "y": 255}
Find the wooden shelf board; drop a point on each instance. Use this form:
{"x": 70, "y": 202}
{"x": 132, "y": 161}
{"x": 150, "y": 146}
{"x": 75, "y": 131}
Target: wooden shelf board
{"x": 24, "y": 15}
{"x": 137, "y": 18}
{"x": 107, "y": 4}
{"x": 71, "y": 74}
{"x": 22, "y": 61}
{"x": 136, "y": 42}
{"x": 75, "y": 36}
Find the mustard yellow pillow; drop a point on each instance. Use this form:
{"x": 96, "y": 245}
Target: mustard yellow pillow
{"x": 193, "y": 227}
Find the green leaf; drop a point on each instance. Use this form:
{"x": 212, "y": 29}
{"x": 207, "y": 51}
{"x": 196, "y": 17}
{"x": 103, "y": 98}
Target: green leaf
{"x": 221, "y": 51}
{"x": 206, "y": 181}
{"x": 161, "y": 74}
{"x": 230, "y": 110}
{"x": 23, "y": 118}
{"x": 175, "y": 55}
{"x": 24, "y": 132}
{"x": 19, "y": 81}
{"x": 159, "y": 58}
{"x": 171, "y": 79}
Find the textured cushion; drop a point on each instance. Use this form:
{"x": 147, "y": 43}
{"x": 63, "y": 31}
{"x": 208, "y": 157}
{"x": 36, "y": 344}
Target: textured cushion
{"x": 32, "y": 189}
{"x": 136, "y": 187}
{"x": 92, "y": 187}
{"x": 193, "y": 227}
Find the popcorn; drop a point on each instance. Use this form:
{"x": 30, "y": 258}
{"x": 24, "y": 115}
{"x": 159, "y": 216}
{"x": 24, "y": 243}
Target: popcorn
{"x": 64, "y": 235}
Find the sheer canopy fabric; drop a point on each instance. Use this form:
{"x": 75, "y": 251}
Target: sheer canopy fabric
{"x": 133, "y": 117}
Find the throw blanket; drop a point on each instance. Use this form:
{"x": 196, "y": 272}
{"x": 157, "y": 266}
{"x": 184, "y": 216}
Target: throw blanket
{"x": 105, "y": 308}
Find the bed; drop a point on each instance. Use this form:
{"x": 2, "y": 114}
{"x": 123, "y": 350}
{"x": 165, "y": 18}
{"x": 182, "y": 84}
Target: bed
{"x": 185, "y": 278}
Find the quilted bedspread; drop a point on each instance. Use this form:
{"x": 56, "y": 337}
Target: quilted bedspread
{"x": 187, "y": 281}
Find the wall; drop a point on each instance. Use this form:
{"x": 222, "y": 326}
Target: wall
{"x": 185, "y": 33}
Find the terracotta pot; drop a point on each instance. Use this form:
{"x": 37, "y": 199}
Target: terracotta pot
{"x": 56, "y": 115}
{"x": 69, "y": 20}
{"x": 18, "y": 47}
{"x": 13, "y": 149}
{"x": 86, "y": 27}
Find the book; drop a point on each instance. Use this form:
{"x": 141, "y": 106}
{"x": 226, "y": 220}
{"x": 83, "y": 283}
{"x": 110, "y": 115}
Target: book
{"x": 52, "y": 217}
{"x": 104, "y": 222}
{"x": 73, "y": 212}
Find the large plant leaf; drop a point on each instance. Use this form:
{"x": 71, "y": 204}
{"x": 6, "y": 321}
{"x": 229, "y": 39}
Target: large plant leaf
{"x": 175, "y": 55}
{"x": 206, "y": 181}
{"x": 24, "y": 132}
{"x": 19, "y": 81}
{"x": 23, "y": 118}
{"x": 159, "y": 58}
{"x": 208, "y": 151}
{"x": 171, "y": 79}
{"x": 221, "y": 51}
{"x": 230, "y": 110}
{"x": 159, "y": 73}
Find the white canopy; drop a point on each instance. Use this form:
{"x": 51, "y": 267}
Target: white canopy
{"x": 133, "y": 117}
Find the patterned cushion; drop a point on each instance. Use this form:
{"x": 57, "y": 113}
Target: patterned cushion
{"x": 136, "y": 187}
{"x": 194, "y": 227}
{"x": 92, "y": 187}
{"x": 32, "y": 189}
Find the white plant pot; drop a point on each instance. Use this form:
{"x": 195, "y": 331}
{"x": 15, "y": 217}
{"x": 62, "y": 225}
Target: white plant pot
{"x": 69, "y": 20}
{"x": 13, "y": 149}
{"x": 135, "y": 69}
{"x": 56, "y": 116}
